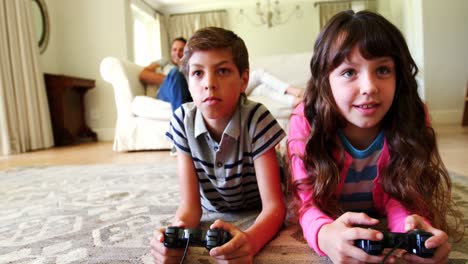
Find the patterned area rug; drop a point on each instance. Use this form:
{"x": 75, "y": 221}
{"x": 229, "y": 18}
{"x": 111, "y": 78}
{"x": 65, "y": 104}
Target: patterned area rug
{"x": 107, "y": 213}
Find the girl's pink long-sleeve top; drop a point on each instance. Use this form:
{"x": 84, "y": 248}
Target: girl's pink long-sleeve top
{"x": 312, "y": 218}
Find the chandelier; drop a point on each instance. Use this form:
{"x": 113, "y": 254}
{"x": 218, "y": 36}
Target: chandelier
{"x": 271, "y": 15}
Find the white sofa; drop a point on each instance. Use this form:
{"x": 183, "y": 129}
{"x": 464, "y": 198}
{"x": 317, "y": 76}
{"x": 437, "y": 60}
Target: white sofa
{"x": 135, "y": 132}
{"x": 142, "y": 121}
{"x": 291, "y": 68}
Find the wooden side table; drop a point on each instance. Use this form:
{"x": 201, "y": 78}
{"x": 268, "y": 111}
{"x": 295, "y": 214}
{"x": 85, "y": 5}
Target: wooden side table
{"x": 66, "y": 103}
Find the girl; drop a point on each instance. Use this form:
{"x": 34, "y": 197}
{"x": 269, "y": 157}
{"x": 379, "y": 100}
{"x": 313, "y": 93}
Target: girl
{"x": 360, "y": 142}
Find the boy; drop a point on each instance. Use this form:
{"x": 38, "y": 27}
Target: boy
{"x": 226, "y": 156}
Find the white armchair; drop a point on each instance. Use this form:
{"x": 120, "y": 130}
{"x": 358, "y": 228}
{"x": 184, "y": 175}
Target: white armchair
{"x": 142, "y": 121}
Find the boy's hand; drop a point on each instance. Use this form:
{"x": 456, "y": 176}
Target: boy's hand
{"x": 162, "y": 254}
{"x": 337, "y": 239}
{"x": 439, "y": 241}
{"x": 238, "y": 250}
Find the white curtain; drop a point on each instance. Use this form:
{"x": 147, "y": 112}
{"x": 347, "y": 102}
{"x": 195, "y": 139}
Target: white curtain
{"x": 184, "y": 25}
{"x": 370, "y": 5}
{"x": 327, "y": 10}
{"x": 330, "y": 8}
{"x": 165, "y": 48}
{"x": 24, "y": 113}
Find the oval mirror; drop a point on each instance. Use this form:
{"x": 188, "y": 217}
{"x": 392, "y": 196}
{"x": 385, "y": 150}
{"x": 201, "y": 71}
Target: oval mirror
{"x": 41, "y": 23}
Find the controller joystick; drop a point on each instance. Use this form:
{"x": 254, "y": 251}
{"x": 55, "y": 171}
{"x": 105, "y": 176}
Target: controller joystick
{"x": 176, "y": 237}
{"x": 412, "y": 242}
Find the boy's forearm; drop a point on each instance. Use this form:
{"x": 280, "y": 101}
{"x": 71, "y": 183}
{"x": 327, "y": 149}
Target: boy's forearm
{"x": 267, "y": 224}
{"x": 190, "y": 216}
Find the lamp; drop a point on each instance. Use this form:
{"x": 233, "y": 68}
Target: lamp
{"x": 271, "y": 15}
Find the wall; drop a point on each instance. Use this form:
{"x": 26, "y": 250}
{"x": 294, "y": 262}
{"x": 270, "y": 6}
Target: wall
{"x": 407, "y": 16}
{"x": 437, "y": 38}
{"x": 297, "y": 35}
{"x": 260, "y": 39}
{"x": 84, "y": 32}
{"x": 48, "y": 60}
{"x": 445, "y": 57}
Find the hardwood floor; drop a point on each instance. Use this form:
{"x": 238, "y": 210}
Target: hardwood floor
{"x": 86, "y": 153}
{"x": 453, "y": 147}
{"x": 452, "y": 140}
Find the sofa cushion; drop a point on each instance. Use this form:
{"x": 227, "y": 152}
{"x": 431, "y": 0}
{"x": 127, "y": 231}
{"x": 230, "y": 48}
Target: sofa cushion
{"x": 291, "y": 68}
{"x": 147, "y": 107}
{"x": 278, "y": 109}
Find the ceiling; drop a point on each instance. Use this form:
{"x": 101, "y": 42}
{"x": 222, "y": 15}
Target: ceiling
{"x": 173, "y": 6}
{"x": 193, "y": 4}
{"x": 179, "y": 2}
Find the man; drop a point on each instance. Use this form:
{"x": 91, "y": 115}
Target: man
{"x": 151, "y": 75}
{"x": 172, "y": 86}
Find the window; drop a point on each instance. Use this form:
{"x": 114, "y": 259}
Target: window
{"x": 146, "y": 35}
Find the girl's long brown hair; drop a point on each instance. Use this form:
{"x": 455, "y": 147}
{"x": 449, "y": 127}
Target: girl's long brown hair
{"x": 415, "y": 174}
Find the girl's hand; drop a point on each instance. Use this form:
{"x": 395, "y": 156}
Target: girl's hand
{"x": 337, "y": 239}
{"x": 439, "y": 241}
{"x": 238, "y": 250}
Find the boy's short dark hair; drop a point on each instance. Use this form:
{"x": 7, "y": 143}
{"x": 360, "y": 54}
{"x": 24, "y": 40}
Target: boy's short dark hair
{"x": 216, "y": 38}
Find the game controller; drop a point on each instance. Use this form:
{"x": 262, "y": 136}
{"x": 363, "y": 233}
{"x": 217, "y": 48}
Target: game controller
{"x": 176, "y": 237}
{"x": 412, "y": 242}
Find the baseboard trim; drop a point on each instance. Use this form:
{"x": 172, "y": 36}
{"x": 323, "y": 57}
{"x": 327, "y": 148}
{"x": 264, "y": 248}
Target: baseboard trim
{"x": 104, "y": 134}
{"x": 446, "y": 117}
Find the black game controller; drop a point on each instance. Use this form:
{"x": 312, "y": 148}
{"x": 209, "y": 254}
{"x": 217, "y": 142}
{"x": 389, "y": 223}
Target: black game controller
{"x": 413, "y": 242}
{"x": 176, "y": 237}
